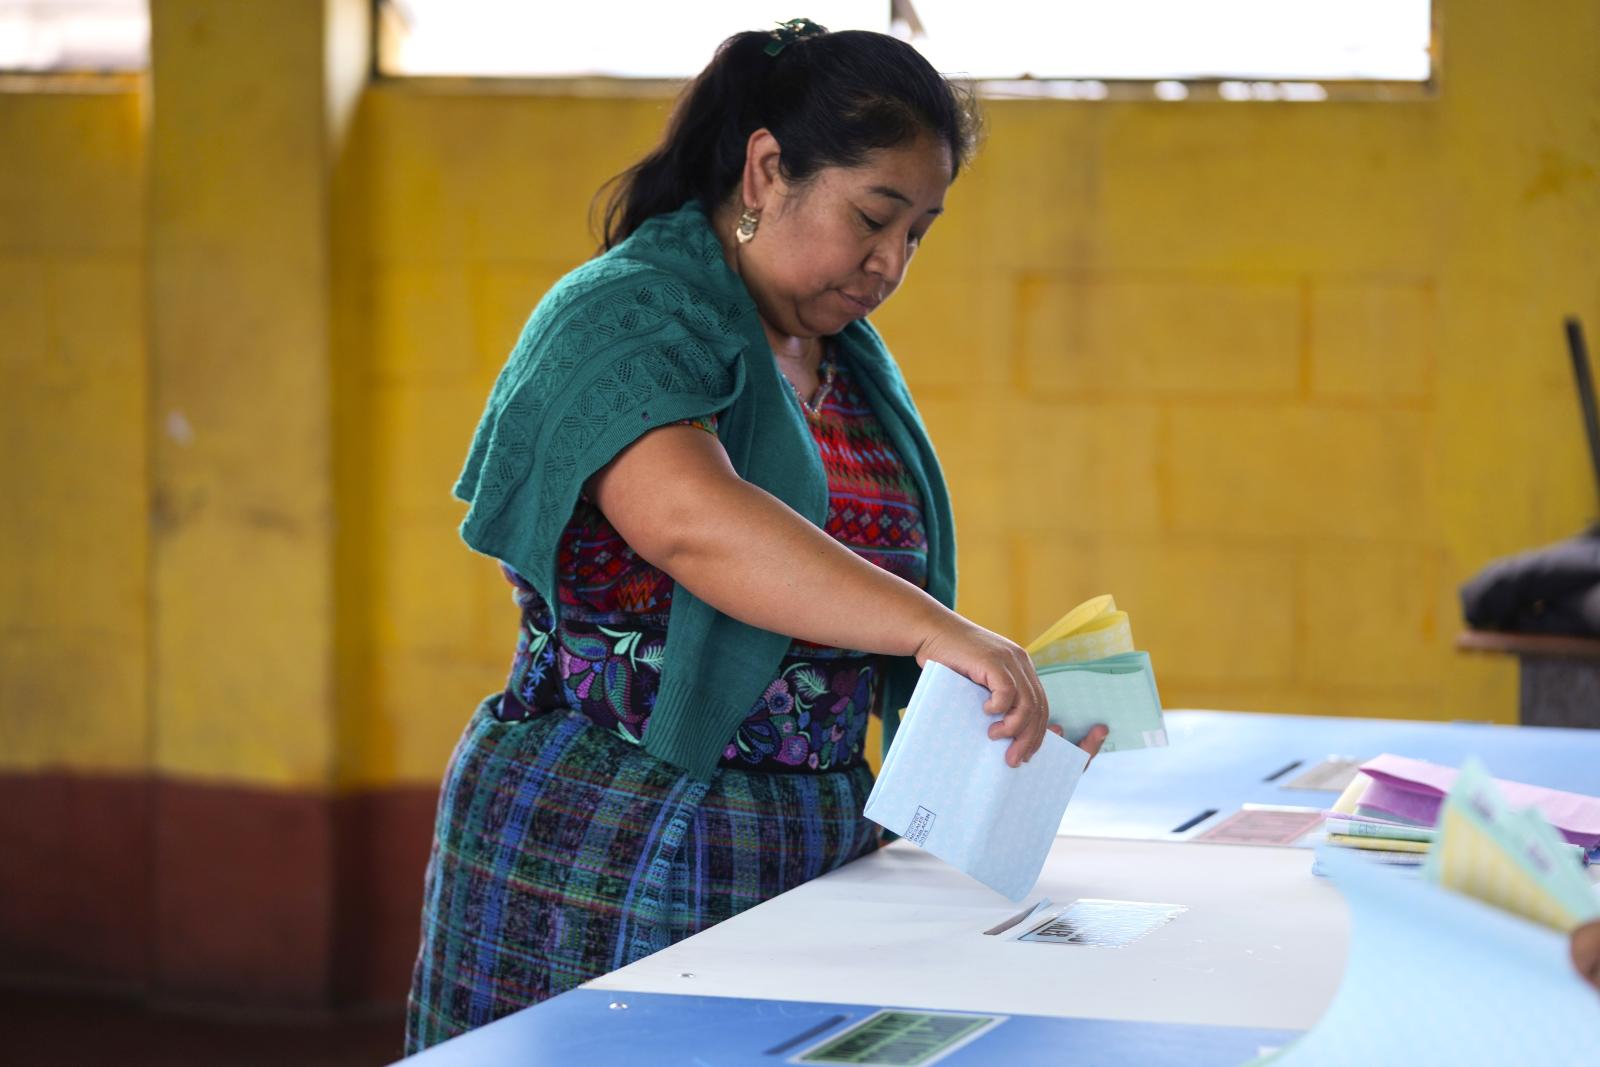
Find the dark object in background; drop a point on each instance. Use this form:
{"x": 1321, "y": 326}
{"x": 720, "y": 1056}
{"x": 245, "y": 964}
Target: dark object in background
{"x": 1555, "y": 589}
{"x": 1551, "y": 590}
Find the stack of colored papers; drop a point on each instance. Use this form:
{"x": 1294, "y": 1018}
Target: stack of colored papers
{"x": 1393, "y": 809}
{"x": 946, "y": 787}
{"x": 1413, "y": 791}
{"x": 1092, "y": 674}
{"x": 1351, "y": 825}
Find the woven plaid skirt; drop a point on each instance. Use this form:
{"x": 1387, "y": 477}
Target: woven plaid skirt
{"x": 563, "y": 851}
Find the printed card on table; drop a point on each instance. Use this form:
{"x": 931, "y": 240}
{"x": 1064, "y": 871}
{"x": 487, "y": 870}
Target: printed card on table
{"x": 1263, "y": 825}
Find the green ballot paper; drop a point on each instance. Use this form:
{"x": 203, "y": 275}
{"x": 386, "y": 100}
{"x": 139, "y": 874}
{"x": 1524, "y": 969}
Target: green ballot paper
{"x": 1119, "y": 691}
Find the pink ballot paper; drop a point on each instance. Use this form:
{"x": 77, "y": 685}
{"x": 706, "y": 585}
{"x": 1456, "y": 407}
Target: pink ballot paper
{"x": 1413, "y": 789}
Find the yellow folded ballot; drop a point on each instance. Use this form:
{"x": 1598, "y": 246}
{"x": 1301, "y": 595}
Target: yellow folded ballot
{"x": 1513, "y": 859}
{"x": 1092, "y": 630}
{"x": 1092, "y": 674}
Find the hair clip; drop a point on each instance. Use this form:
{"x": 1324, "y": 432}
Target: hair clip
{"x": 789, "y": 32}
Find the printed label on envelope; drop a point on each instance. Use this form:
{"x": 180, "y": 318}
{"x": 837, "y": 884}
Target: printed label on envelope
{"x": 921, "y": 824}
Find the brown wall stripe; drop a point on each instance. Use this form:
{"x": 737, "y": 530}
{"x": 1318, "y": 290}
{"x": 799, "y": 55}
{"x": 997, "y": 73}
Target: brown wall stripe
{"x": 212, "y": 893}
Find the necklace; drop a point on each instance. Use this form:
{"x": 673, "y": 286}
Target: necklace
{"x": 824, "y": 384}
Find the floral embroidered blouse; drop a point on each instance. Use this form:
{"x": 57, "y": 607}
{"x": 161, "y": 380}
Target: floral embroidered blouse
{"x": 605, "y": 657}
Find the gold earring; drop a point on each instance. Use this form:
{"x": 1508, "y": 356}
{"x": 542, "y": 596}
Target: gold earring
{"x": 747, "y": 226}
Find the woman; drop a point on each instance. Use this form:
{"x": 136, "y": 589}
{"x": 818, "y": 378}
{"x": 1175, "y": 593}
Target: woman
{"x": 727, "y": 531}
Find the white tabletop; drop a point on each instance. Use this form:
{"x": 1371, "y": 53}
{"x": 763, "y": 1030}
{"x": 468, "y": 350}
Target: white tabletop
{"x": 1262, "y": 943}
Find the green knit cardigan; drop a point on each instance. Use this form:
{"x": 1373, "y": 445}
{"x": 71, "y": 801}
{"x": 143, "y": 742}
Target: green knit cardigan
{"x": 655, "y": 331}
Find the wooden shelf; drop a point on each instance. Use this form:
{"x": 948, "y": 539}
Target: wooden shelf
{"x": 1550, "y": 646}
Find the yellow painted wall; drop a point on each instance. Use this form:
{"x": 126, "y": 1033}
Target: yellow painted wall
{"x": 1279, "y": 376}
{"x": 73, "y": 458}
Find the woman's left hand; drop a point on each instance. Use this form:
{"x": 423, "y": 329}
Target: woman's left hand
{"x": 1586, "y": 952}
{"x": 1091, "y": 741}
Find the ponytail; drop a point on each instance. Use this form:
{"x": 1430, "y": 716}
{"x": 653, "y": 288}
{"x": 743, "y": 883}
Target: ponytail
{"x": 828, "y": 98}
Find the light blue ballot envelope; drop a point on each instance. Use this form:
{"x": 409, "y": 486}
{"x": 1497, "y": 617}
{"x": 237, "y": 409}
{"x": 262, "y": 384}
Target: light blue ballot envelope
{"x": 945, "y": 786}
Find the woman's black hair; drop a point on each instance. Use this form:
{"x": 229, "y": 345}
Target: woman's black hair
{"x": 829, "y": 99}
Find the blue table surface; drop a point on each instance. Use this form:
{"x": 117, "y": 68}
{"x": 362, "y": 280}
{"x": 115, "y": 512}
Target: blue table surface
{"x": 583, "y": 1027}
{"x": 1220, "y": 760}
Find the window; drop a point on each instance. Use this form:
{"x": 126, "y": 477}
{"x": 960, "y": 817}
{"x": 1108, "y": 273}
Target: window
{"x": 1182, "y": 40}
{"x": 72, "y": 36}
{"x": 606, "y": 38}
{"x": 1235, "y": 49}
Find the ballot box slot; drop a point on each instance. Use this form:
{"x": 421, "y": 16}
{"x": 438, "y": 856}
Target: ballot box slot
{"x": 1190, "y": 824}
{"x": 1281, "y": 771}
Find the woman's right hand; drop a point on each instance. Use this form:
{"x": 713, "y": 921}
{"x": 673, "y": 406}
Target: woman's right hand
{"x": 1002, "y": 667}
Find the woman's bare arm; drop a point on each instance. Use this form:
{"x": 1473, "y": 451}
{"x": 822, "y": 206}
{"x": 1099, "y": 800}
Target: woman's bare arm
{"x": 674, "y": 496}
